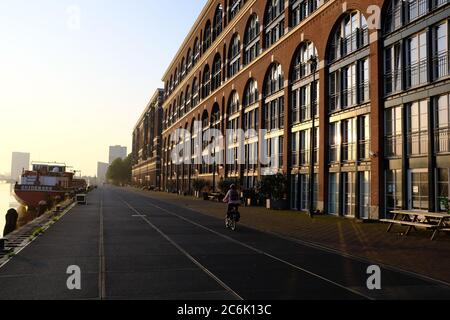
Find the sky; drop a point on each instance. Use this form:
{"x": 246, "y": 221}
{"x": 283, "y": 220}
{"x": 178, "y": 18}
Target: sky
{"x": 76, "y": 75}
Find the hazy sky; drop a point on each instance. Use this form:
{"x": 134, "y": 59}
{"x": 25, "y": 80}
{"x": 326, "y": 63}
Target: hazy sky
{"x": 68, "y": 90}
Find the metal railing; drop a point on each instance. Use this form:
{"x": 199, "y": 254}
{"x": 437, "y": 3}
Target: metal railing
{"x": 442, "y": 140}
{"x": 417, "y": 143}
{"x": 440, "y": 65}
{"x": 416, "y": 73}
{"x": 394, "y": 145}
{"x": 393, "y": 81}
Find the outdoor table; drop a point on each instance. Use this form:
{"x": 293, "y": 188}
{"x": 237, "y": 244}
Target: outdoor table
{"x": 410, "y": 218}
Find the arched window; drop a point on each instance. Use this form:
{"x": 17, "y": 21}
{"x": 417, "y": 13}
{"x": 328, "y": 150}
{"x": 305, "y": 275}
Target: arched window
{"x": 215, "y": 117}
{"x": 217, "y": 24}
{"x": 274, "y": 80}
{"x": 233, "y": 103}
{"x": 189, "y": 60}
{"x": 301, "y": 67}
{"x": 206, "y": 89}
{"x": 234, "y": 56}
{"x": 274, "y": 21}
{"x": 187, "y": 99}
{"x": 171, "y": 84}
{"x": 175, "y": 80}
{"x": 207, "y": 36}
{"x": 233, "y": 8}
{"x": 196, "y": 51}
{"x": 183, "y": 69}
{"x": 301, "y": 9}
{"x": 182, "y": 105}
{"x": 350, "y": 35}
{"x": 251, "y": 94}
{"x": 175, "y": 111}
{"x": 216, "y": 73}
{"x": 251, "y": 40}
{"x": 170, "y": 116}
{"x": 300, "y": 102}
{"x": 195, "y": 93}
{"x": 349, "y": 84}
{"x": 274, "y": 105}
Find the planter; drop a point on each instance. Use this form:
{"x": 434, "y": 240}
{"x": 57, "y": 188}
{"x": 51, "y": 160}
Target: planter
{"x": 276, "y": 204}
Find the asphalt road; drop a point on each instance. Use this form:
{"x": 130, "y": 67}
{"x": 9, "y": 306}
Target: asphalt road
{"x": 129, "y": 246}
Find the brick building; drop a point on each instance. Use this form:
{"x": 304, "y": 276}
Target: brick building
{"x": 147, "y": 144}
{"x": 379, "y": 98}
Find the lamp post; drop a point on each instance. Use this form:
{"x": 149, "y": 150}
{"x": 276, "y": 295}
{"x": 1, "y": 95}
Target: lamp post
{"x": 313, "y": 63}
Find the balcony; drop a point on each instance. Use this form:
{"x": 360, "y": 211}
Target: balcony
{"x": 442, "y": 140}
{"x": 441, "y": 67}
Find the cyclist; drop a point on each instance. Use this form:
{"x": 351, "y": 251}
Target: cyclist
{"x": 232, "y": 198}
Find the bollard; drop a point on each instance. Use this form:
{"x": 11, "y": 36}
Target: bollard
{"x": 11, "y": 221}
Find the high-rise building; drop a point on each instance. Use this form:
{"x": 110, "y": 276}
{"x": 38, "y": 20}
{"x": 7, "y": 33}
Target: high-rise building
{"x": 102, "y": 169}
{"x": 117, "y": 152}
{"x": 367, "y": 120}
{"x": 19, "y": 161}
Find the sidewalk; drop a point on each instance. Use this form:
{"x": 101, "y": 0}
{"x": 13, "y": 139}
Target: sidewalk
{"x": 370, "y": 241}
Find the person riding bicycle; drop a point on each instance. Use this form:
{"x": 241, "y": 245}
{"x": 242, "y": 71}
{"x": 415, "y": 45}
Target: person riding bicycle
{"x": 233, "y": 199}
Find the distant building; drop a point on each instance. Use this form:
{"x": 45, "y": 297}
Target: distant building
{"x": 102, "y": 169}
{"x": 117, "y": 152}
{"x": 147, "y": 144}
{"x": 20, "y": 161}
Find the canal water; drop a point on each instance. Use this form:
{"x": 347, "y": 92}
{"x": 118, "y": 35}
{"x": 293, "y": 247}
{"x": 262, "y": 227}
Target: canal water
{"x": 7, "y": 201}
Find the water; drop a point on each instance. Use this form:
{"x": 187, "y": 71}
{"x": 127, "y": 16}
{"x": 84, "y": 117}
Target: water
{"x": 7, "y": 201}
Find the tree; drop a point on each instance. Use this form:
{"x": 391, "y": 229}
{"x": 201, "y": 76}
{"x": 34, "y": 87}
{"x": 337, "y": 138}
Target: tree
{"x": 119, "y": 172}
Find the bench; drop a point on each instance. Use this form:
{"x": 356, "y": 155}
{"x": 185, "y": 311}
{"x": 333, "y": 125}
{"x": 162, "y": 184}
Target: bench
{"x": 410, "y": 218}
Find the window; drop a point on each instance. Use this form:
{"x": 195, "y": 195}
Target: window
{"x": 189, "y": 60}
{"x": 349, "y": 86}
{"x": 233, "y": 105}
{"x": 440, "y": 58}
{"x": 233, "y": 8}
{"x": 349, "y": 140}
{"x": 351, "y": 34}
{"x": 274, "y": 80}
{"x": 364, "y": 195}
{"x": 217, "y": 23}
{"x": 195, "y": 94}
{"x": 418, "y": 190}
{"x": 394, "y": 189}
{"x": 251, "y": 93}
{"x": 207, "y": 40}
{"x": 333, "y": 206}
{"x": 301, "y": 9}
{"x": 416, "y": 60}
{"x": 217, "y": 73}
{"x": 394, "y": 132}
{"x": 394, "y": 16}
{"x": 349, "y": 193}
{"x": 443, "y": 184}
{"x": 251, "y": 40}
{"x": 393, "y": 68}
{"x": 206, "y": 82}
{"x": 234, "y": 56}
{"x": 335, "y": 142}
{"x": 187, "y": 99}
{"x": 418, "y": 128}
{"x": 364, "y": 137}
{"x": 302, "y": 67}
{"x": 416, "y": 8}
{"x": 294, "y": 149}
{"x": 196, "y": 51}
{"x": 442, "y": 123}
{"x": 274, "y": 21}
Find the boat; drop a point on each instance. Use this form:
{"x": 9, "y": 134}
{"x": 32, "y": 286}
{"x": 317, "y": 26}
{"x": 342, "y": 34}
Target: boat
{"x": 46, "y": 182}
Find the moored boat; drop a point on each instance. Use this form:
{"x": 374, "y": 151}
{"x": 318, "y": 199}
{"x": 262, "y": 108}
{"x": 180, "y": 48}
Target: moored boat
{"x": 49, "y": 182}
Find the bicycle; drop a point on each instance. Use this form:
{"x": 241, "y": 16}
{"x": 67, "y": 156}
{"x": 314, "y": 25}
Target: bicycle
{"x": 232, "y": 218}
